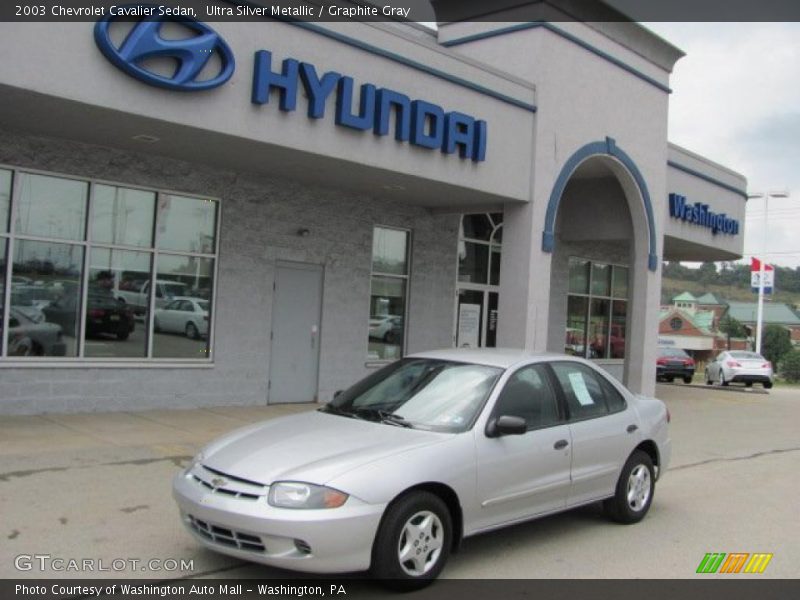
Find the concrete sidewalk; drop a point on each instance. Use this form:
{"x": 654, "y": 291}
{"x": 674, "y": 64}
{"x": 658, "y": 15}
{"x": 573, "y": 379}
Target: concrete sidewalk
{"x": 98, "y": 436}
{"x": 97, "y": 486}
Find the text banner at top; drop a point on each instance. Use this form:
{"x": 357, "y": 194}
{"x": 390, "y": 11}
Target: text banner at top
{"x": 425, "y": 11}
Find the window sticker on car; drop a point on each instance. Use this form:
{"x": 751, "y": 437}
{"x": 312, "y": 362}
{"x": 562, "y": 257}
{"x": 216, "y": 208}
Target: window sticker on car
{"x": 579, "y": 387}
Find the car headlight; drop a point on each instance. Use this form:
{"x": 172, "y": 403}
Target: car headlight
{"x": 295, "y": 494}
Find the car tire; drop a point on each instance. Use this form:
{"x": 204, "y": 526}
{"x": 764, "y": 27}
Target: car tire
{"x": 634, "y": 491}
{"x": 767, "y": 385}
{"x": 722, "y": 381}
{"x": 748, "y": 384}
{"x": 419, "y": 528}
{"x": 123, "y": 335}
{"x": 687, "y": 380}
{"x": 191, "y": 331}
{"x": 389, "y": 337}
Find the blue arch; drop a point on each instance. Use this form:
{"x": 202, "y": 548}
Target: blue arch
{"x": 608, "y": 147}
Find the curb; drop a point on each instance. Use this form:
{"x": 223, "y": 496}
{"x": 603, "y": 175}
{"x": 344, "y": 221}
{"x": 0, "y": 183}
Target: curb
{"x": 718, "y": 388}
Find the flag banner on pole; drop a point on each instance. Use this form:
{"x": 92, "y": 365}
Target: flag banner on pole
{"x": 755, "y": 274}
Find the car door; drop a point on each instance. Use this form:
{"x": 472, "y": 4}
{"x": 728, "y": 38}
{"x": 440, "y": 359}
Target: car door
{"x": 520, "y": 476}
{"x": 604, "y": 430}
{"x": 169, "y": 315}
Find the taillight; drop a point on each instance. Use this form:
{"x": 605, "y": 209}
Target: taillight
{"x": 689, "y": 362}
{"x": 733, "y": 363}
{"x": 661, "y": 361}
{"x": 96, "y": 313}
{"x": 767, "y": 365}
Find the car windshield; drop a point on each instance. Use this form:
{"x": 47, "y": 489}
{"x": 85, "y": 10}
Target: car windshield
{"x": 746, "y": 355}
{"x": 423, "y": 393}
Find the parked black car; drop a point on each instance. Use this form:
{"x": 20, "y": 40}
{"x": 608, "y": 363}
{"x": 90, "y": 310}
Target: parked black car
{"x": 672, "y": 363}
{"x": 104, "y": 314}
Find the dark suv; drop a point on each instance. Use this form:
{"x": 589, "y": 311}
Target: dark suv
{"x": 672, "y": 363}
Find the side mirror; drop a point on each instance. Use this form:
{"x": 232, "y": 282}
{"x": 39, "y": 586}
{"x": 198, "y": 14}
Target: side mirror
{"x": 337, "y": 393}
{"x": 506, "y": 425}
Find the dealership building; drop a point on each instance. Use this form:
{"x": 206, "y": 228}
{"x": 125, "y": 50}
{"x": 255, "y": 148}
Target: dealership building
{"x": 251, "y": 212}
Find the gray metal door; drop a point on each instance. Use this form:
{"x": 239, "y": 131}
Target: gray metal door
{"x": 296, "y": 310}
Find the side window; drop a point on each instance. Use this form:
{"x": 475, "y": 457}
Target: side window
{"x": 528, "y": 394}
{"x": 614, "y": 399}
{"x": 584, "y": 394}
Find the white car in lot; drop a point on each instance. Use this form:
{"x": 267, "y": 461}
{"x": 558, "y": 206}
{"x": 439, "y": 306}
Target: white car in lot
{"x": 739, "y": 366}
{"x": 184, "y": 315}
{"x": 395, "y": 471}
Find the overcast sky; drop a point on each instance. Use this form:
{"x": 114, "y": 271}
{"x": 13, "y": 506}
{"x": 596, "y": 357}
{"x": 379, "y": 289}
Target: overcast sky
{"x": 736, "y": 100}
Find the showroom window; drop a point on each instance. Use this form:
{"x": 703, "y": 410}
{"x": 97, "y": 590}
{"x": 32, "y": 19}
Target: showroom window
{"x": 89, "y": 270}
{"x": 479, "y": 247}
{"x": 597, "y": 309}
{"x": 388, "y": 293}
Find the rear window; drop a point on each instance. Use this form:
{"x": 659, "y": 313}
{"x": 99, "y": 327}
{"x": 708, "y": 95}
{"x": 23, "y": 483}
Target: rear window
{"x": 746, "y": 355}
{"x": 672, "y": 352}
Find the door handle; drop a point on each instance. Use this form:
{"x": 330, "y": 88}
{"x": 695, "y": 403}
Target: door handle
{"x": 632, "y": 428}
{"x": 561, "y": 444}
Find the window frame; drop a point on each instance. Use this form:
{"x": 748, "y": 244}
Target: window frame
{"x": 10, "y": 237}
{"x": 547, "y": 374}
{"x": 601, "y": 377}
{"x": 406, "y": 299}
{"x": 611, "y": 298}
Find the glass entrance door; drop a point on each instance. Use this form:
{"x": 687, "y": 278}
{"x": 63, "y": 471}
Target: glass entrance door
{"x": 476, "y": 318}
{"x": 479, "y": 248}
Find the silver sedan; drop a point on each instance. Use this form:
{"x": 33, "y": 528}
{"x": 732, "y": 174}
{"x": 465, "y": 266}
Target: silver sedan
{"x": 393, "y": 473}
{"x": 740, "y": 366}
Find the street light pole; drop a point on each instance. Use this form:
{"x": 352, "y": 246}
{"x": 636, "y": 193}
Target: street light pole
{"x": 762, "y": 267}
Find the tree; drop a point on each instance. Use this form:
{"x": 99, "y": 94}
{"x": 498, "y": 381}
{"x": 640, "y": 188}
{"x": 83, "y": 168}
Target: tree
{"x": 790, "y": 367}
{"x": 732, "y": 328}
{"x": 707, "y": 273}
{"x": 775, "y": 343}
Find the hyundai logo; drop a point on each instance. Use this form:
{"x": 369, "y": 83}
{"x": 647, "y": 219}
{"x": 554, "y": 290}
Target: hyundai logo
{"x": 145, "y": 42}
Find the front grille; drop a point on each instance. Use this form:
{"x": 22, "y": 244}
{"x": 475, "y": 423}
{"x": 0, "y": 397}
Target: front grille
{"x": 225, "y": 536}
{"x": 235, "y": 487}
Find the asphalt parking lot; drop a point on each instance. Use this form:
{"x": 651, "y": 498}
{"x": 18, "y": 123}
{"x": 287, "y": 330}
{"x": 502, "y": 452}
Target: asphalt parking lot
{"x": 97, "y": 486}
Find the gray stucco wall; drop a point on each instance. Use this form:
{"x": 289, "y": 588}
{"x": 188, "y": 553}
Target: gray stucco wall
{"x": 260, "y": 217}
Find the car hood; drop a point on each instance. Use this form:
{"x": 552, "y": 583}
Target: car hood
{"x": 314, "y": 447}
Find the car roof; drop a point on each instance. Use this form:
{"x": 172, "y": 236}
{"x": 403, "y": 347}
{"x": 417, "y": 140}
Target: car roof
{"x": 495, "y": 357}
{"x": 192, "y": 298}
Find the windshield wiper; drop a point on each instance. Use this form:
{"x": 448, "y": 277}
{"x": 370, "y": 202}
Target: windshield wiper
{"x": 383, "y": 416}
{"x": 335, "y": 410}
{"x": 392, "y": 418}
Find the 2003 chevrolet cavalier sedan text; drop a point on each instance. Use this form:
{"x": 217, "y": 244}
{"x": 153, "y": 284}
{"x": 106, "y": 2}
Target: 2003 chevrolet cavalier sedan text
{"x": 396, "y": 470}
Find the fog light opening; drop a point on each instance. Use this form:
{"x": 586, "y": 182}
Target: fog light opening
{"x": 302, "y": 546}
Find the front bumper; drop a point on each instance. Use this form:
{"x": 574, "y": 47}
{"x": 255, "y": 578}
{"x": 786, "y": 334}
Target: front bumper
{"x": 335, "y": 540}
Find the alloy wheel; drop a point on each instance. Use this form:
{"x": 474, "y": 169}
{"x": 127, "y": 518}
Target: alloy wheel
{"x": 639, "y": 488}
{"x": 420, "y": 543}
